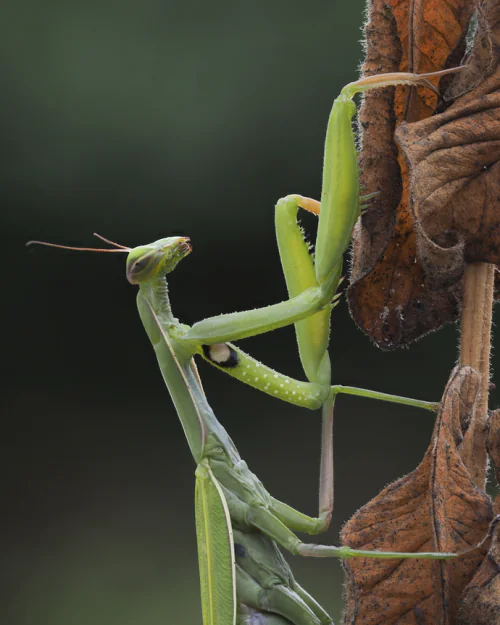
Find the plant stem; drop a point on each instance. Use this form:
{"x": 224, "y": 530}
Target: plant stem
{"x": 475, "y": 351}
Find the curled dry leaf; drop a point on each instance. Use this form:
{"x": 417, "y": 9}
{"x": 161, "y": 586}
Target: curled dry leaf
{"x": 480, "y": 604}
{"x": 493, "y": 446}
{"x": 454, "y": 161}
{"x": 437, "y": 507}
{"x": 388, "y": 296}
{"x": 485, "y": 53}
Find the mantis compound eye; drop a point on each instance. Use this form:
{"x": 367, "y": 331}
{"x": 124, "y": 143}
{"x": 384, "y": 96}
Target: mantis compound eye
{"x": 139, "y": 265}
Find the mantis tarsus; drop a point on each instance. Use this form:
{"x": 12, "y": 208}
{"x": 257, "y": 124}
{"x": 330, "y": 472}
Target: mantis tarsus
{"x": 244, "y": 578}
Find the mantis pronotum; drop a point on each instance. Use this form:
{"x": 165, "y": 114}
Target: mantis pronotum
{"x": 244, "y": 578}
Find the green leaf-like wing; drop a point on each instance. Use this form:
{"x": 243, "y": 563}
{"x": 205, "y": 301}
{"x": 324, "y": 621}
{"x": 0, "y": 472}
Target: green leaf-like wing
{"x": 215, "y": 550}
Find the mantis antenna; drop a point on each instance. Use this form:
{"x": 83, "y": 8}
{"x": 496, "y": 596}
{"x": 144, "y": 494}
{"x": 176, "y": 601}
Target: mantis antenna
{"x": 120, "y": 248}
{"x": 109, "y": 242}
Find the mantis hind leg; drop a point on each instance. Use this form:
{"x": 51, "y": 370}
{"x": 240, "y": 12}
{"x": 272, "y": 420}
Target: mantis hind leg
{"x": 273, "y": 527}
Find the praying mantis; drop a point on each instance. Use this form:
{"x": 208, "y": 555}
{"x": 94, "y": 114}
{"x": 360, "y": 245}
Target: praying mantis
{"x": 240, "y": 526}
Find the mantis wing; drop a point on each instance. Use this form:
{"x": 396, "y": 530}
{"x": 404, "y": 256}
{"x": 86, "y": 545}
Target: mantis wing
{"x": 215, "y": 550}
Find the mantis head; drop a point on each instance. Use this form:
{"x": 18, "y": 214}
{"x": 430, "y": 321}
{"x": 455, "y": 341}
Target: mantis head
{"x": 147, "y": 262}
{"x": 144, "y": 263}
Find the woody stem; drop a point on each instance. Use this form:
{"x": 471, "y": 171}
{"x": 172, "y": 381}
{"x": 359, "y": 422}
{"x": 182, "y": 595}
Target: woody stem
{"x": 475, "y": 351}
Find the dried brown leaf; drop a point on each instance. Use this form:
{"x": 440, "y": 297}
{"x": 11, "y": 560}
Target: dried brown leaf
{"x": 437, "y": 507}
{"x": 388, "y": 296}
{"x": 485, "y": 53}
{"x": 481, "y": 602}
{"x": 493, "y": 446}
{"x": 481, "y": 599}
{"x": 454, "y": 161}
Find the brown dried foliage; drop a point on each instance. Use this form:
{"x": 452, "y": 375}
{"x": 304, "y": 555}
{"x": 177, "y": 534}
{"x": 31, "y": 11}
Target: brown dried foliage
{"x": 438, "y": 210}
{"x": 481, "y": 600}
{"x": 392, "y": 296}
{"x": 437, "y": 507}
{"x": 454, "y": 160}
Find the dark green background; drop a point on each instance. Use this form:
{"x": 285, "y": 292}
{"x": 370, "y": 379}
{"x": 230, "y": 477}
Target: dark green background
{"x": 140, "y": 120}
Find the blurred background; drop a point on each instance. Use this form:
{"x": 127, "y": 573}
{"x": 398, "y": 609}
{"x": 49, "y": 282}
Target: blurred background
{"x": 140, "y": 120}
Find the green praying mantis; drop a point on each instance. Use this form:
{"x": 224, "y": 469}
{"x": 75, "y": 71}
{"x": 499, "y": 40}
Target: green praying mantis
{"x": 240, "y": 526}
